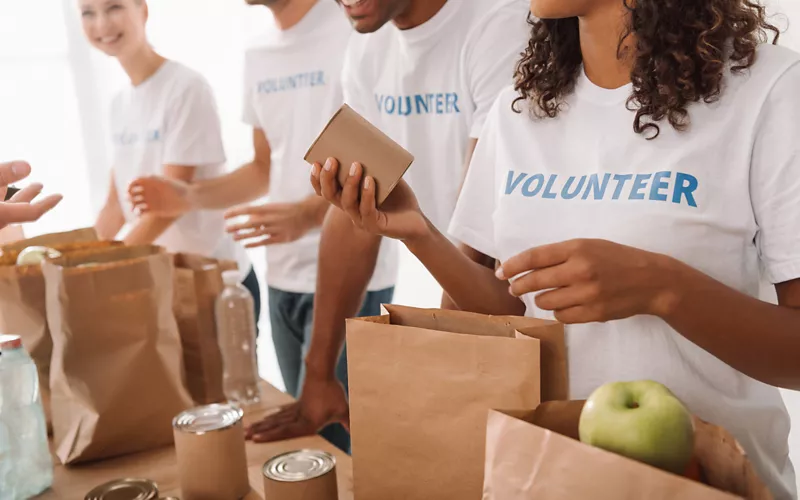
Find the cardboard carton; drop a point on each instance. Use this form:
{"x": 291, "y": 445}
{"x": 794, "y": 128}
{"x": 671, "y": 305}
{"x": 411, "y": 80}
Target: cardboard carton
{"x": 350, "y": 138}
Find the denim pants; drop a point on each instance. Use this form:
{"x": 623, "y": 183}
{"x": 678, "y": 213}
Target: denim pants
{"x": 291, "y": 316}
{"x": 251, "y": 283}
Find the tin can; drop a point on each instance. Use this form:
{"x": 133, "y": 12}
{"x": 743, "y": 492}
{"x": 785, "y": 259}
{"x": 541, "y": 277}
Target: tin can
{"x": 125, "y": 489}
{"x": 210, "y": 445}
{"x": 301, "y": 475}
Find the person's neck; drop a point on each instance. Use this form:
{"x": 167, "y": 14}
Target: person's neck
{"x": 141, "y": 65}
{"x": 417, "y": 13}
{"x": 607, "y": 64}
{"x": 288, "y": 13}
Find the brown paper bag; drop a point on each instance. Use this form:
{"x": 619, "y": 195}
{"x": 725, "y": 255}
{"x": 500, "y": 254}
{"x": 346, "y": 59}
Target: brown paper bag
{"x": 22, "y": 304}
{"x": 535, "y": 455}
{"x": 48, "y": 240}
{"x": 116, "y": 375}
{"x": 198, "y": 283}
{"x": 421, "y": 383}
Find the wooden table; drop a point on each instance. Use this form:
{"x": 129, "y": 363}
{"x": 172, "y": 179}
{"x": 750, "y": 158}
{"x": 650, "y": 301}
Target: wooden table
{"x": 72, "y": 483}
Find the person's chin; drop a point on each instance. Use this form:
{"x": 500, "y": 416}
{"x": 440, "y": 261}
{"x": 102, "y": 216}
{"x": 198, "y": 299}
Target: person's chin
{"x": 365, "y": 26}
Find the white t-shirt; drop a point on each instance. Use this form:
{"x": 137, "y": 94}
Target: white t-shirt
{"x": 721, "y": 197}
{"x": 171, "y": 119}
{"x": 292, "y": 88}
{"x": 429, "y": 88}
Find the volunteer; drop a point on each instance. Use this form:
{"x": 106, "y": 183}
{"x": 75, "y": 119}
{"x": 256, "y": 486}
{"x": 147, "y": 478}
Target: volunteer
{"x": 21, "y": 207}
{"x": 425, "y": 72}
{"x": 642, "y": 170}
{"x": 165, "y": 123}
{"x": 292, "y": 88}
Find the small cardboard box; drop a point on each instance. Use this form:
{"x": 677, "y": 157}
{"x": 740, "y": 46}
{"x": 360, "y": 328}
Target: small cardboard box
{"x": 537, "y": 455}
{"x": 350, "y": 138}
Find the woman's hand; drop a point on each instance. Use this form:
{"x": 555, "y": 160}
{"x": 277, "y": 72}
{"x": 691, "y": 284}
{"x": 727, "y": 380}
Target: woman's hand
{"x": 21, "y": 207}
{"x": 399, "y": 216}
{"x": 585, "y": 281}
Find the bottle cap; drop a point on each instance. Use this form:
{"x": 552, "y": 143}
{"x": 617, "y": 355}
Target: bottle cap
{"x": 10, "y": 342}
{"x": 231, "y": 277}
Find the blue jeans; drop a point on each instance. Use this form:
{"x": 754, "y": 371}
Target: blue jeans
{"x": 291, "y": 316}
{"x": 251, "y": 283}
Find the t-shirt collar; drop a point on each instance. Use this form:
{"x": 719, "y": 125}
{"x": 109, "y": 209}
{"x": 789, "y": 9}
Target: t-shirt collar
{"x": 433, "y": 25}
{"x": 587, "y": 90}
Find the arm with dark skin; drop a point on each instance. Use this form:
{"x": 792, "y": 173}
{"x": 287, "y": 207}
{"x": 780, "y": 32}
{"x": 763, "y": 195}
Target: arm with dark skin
{"x": 585, "y": 281}
{"x": 595, "y": 280}
{"x": 474, "y": 255}
{"x": 341, "y": 286}
{"x": 342, "y": 283}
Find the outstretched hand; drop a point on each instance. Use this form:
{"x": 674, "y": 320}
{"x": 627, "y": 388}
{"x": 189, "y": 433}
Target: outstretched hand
{"x": 22, "y": 207}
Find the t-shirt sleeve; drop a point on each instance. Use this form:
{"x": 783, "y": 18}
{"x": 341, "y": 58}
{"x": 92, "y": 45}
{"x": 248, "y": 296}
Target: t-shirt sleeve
{"x": 775, "y": 179}
{"x": 491, "y": 54}
{"x": 193, "y": 134}
{"x": 473, "y": 220}
{"x": 249, "y": 114}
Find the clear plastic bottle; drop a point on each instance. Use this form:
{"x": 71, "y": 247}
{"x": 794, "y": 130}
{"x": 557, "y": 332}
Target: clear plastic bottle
{"x": 26, "y": 467}
{"x": 236, "y": 333}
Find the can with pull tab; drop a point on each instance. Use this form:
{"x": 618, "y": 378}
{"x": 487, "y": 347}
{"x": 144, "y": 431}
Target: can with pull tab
{"x": 299, "y": 475}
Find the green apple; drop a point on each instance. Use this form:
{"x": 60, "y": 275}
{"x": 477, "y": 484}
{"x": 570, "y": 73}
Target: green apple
{"x": 640, "y": 420}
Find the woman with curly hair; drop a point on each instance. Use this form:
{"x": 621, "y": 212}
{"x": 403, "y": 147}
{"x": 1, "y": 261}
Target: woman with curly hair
{"x": 637, "y": 183}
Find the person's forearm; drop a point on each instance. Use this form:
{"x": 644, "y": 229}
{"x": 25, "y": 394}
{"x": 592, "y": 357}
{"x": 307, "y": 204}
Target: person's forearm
{"x": 245, "y": 184}
{"x": 316, "y": 209}
{"x": 148, "y": 229}
{"x": 347, "y": 260}
{"x": 109, "y": 222}
{"x": 759, "y": 339}
{"x": 471, "y": 285}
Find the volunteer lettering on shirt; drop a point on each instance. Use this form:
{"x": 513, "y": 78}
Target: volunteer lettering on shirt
{"x": 294, "y": 82}
{"x": 657, "y": 186}
{"x": 419, "y": 104}
{"x": 721, "y": 197}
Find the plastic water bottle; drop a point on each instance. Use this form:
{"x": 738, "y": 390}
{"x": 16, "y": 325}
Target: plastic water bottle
{"x": 236, "y": 333}
{"x": 26, "y": 468}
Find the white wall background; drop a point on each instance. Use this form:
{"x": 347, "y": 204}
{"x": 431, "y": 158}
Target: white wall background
{"x": 54, "y": 92}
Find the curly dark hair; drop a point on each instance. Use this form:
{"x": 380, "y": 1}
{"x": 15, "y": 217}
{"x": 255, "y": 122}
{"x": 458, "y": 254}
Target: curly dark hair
{"x": 680, "y": 55}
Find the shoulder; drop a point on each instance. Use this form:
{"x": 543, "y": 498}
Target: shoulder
{"x": 497, "y": 29}
{"x": 189, "y": 83}
{"x": 775, "y": 68}
{"x": 507, "y": 104}
{"x": 508, "y": 108}
{"x": 489, "y": 18}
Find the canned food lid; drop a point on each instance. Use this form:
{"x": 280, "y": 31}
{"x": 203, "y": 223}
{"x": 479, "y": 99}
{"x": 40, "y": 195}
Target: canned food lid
{"x": 208, "y": 418}
{"x": 10, "y": 342}
{"x": 125, "y": 489}
{"x": 299, "y": 465}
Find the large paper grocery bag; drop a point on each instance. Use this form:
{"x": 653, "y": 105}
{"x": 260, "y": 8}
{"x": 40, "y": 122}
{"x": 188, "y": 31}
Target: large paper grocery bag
{"x": 536, "y": 455}
{"x": 421, "y": 384}
{"x": 22, "y": 304}
{"x": 198, "y": 283}
{"x": 116, "y": 375}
